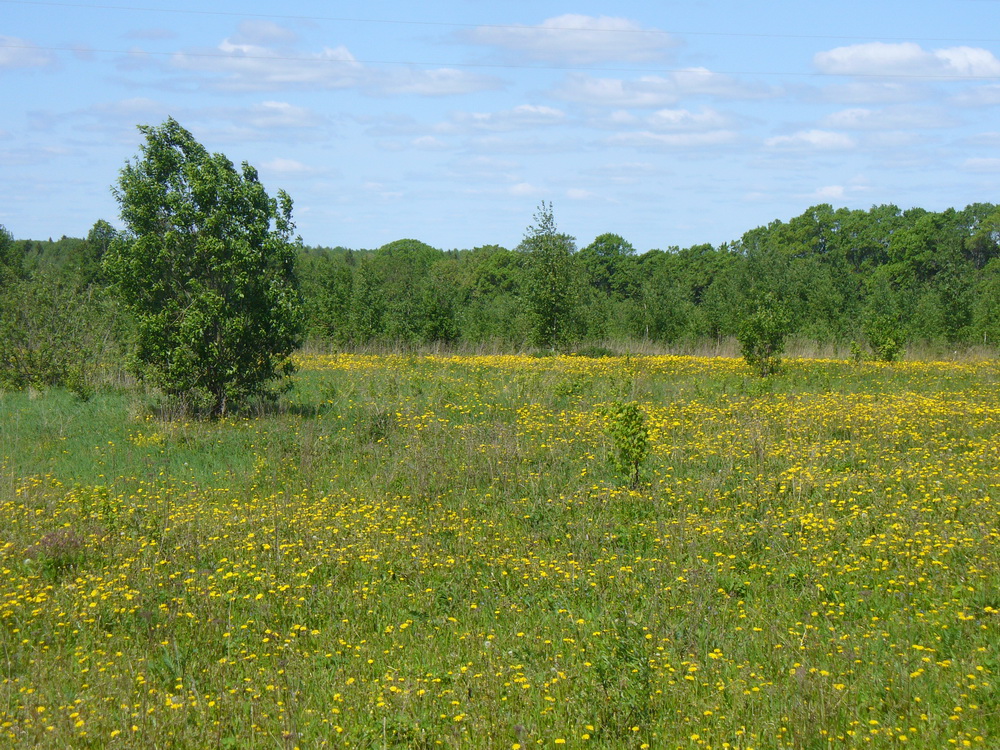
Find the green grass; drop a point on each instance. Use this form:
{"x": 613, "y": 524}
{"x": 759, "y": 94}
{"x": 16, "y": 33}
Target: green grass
{"x": 436, "y": 551}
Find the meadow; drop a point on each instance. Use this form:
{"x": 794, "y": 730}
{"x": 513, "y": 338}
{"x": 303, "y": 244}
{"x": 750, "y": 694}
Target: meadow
{"x": 434, "y": 551}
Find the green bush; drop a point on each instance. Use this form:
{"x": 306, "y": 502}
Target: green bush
{"x": 630, "y": 438}
{"x": 762, "y": 336}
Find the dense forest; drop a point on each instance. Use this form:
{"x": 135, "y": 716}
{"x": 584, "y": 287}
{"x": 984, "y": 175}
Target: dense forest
{"x": 879, "y": 279}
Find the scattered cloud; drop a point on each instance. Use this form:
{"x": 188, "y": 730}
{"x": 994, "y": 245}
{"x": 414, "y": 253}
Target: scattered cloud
{"x": 878, "y": 92}
{"x": 984, "y": 139}
{"x": 830, "y": 193}
{"x": 576, "y": 39}
{"x": 978, "y": 96}
{"x": 889, "y": 118}
{"x": 242, "y": 63}
{"x": 152, "y": 34}
{"x": 656, "y": 91}
{"x": 20, "y": 53}
{"x": 907, "y": 59}
{"x": 264, "y": 32}
{"x": 579, "y": 194}
{"x": 271, "y": 115}
{"x": 648, "y": 139}
{"x": 685, "y": 120}
{"x": 524, "y": 188}
{"x": 428, "y": 143}
{"x": 420, "y": 82}
{"x": 249, "y": 67}
{"x": 819, "y": 140}
{"x": 287, "y": 167}
{"x": 521, "y": 116}
{"x": 982, "y": 164}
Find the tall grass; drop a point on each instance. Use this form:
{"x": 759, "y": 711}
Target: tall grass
{"x": 424, "y": 551}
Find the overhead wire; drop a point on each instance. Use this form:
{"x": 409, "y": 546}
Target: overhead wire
{"x": 454, "y": 24}
{"x": 313, "y": 59}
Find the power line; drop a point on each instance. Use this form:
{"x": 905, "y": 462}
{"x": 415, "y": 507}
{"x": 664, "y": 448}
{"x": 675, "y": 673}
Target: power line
{"x": 509, "y": 66}
{"x": 451, "y": 24}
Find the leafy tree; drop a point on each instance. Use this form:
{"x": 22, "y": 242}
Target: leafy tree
{"x": 550, "y": 281}
{"x": 11, "y": 259}
{"x": 762, "y": 335}
{"x": 205, "y": 267}
{"x": 610, "y": 265}
{"x": 99, "y": 239}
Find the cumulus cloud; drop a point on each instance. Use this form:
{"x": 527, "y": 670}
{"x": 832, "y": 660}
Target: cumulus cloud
{"x": 649, "y": 139}
{"x": 576, "y": 39}
{"x": 907, "y": 59}
{"x": 978, "y": 96}
{"x": 287, "y": 167}
{"x": 656, "y": 91}
{"x": 264, "y": 32}
{"x": 889, "y": 118}
{"x": 812, "y": 140}
{"x": 685, "y": 120}
{"x": 521, "y": 116}
{"x": 989, "y": 165}
{"x": 835, "y": 192}
{"x": 273, "y": 114}
{"x": 428, "y": 143}
{"x": 874, "y": 92}
{"x": 20, "y": 53}
{"x": 241, "y": 64}
{"x": 524, "y": 188}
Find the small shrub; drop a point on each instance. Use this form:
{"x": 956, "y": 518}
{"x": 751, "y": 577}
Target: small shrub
{"x": 885, "y": 337}
{"x": 627, "y": 427}
{"x": 595, "y": 352}
{"x": 762, "y": 336}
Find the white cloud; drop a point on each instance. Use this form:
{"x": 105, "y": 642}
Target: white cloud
{"x": 889, "y": 118}
{"x": 836, "y": 192}
{"x": 907, "y": 59}
{"x": 877, "y": 92}
{"x": 685, "y": 120}
{"x": 579, "y": 194}
{"x": 978, "y": 96}
{"x": 645, "y": 139}
{"x": 249, "y": 67}
{"x": 522, "y": 116}
{"x": 286, "y": 167}
{"x": 437, "y": 82}
{"x": 429, "y": 143}
{"x": 819, "y": 140}
{"x": 656, "y": 91}
{"x": 241, "y": 65}
{"x": 982, "y": 164}
{"x": 524, "y": 188}
{"x": 984, "y": 139}
{"x": 257, "y": 31}
{"x": 576, "y": 39}
{"x": 20, "y": 53}
{"x": 283, "y": 115}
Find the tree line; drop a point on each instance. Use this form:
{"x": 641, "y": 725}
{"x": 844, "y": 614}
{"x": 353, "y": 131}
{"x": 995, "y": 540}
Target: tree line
{"x": 881, "y": 278}
{"x": 206, "y": 291}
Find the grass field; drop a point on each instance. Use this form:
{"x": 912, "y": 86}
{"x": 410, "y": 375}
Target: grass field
{"x": 417, "y": 551}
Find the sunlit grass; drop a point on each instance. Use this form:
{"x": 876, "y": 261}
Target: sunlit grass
{"x": 435, "y": 551}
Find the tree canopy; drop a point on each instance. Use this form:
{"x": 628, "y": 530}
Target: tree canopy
{"x": 205, "y": 267}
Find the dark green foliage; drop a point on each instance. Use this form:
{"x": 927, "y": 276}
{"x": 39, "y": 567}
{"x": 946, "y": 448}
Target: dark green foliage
{"x": 206, "y": 269}
{"x": 11, "y": 259}
{"x": 885, "y": 337}
{"x": 53, "y": 334}
{"x": 630, "y": 438}
{"x": 762, "y": 335}
{"x": 550, "y": 281}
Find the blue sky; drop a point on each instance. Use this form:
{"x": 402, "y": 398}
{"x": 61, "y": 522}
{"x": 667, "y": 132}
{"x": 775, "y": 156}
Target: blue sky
{"x": 669, "y": 123}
